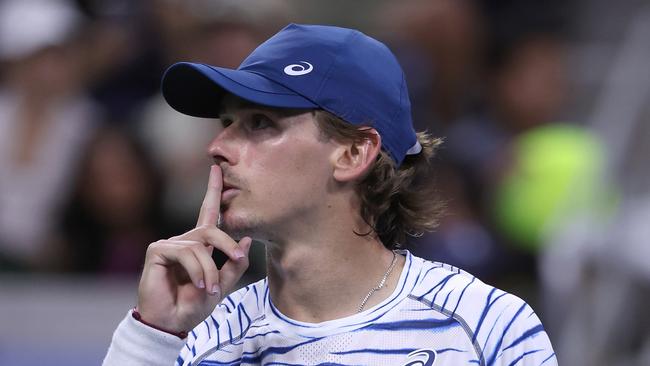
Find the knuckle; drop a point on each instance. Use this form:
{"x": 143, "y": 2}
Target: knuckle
{"x": 157, "y": 243}
{"x": 154, "y": 247}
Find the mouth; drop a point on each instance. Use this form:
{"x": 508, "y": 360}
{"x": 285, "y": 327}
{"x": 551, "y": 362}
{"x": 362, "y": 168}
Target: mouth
{"x": 227, "y": 185}
{"x": 228, "y": 192}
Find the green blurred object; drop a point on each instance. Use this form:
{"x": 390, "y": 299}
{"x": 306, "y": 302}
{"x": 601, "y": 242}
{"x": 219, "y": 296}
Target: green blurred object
{"x": 557, "y": 171}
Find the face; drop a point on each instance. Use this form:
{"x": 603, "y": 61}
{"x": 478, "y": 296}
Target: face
{"x": 116, "y": 182}
{"x": 276, "y": 169}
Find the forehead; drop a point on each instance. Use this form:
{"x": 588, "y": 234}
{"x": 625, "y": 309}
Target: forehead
{"x": 232, "y": 104}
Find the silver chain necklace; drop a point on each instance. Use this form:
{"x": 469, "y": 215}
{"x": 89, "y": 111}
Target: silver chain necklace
{"x": 380, "y": 284}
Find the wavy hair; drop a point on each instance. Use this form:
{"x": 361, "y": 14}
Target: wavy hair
{"x": 395, "y": 202}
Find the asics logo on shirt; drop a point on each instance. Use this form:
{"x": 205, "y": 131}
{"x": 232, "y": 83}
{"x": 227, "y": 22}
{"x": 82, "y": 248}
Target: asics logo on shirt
{"x": 421, "y": 357}
{"x": 298, "y": 69}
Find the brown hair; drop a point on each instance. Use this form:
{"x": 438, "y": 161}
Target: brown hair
{"x": 395, "y": 202}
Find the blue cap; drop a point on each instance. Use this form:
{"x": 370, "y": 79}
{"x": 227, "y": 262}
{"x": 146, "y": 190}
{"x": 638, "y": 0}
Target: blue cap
{"x": 340, "y": 70}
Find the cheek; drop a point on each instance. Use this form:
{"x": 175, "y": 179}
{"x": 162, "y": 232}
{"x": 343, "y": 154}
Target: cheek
{"x": 297, "y": 172}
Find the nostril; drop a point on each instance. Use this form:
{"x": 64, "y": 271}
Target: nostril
{"x": 221, "y": 154}
{"x": 218, "y": 160}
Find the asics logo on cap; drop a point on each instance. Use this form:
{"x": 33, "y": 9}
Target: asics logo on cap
{"x": 298, "y": 69}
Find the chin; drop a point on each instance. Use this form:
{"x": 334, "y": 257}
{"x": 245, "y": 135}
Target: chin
{"x": 239, "y": 226}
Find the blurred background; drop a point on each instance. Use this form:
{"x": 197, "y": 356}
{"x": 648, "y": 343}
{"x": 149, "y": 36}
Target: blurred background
{"x": 543, "y": 106}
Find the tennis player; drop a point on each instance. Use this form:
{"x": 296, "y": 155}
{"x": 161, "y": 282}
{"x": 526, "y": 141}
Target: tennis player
{"x": 318, "y": 160}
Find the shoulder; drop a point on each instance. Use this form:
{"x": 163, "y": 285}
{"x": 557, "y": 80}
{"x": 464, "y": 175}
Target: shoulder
{"x": 448, "y": 288}
{"x": 502, "y": 326}
{"x": 456, "y": 292}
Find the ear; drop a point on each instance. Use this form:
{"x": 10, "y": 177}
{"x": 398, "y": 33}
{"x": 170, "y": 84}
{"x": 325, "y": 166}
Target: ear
{"x": 353, "y": 160}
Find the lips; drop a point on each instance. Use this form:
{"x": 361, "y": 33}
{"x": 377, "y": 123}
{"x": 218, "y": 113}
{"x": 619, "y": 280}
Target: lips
{"x": 228, "y": 192}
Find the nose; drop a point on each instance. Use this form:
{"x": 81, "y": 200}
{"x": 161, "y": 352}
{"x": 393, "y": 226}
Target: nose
{"x": 223, "y": 148}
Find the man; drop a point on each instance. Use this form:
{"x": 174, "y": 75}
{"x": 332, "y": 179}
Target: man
{"x": 319, "y": 161}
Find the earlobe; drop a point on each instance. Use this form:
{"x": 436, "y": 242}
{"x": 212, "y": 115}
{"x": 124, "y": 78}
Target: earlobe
{"x": 353, "y": 160}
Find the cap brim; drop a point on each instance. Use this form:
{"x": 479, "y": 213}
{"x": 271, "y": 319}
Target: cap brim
{"x": 197, "y": 89}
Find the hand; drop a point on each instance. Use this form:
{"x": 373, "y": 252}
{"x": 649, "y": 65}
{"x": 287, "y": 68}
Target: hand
{"x": 180, "y": 284}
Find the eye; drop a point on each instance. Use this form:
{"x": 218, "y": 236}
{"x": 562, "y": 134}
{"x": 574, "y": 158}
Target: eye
{"x": 225, "y": 121}
{"x": 260, "y": 122}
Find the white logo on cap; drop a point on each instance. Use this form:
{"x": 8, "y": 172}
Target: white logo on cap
{"x": 298, "y": 69}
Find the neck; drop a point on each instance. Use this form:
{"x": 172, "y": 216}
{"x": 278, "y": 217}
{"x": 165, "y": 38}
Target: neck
{"x": 329, "y": 277}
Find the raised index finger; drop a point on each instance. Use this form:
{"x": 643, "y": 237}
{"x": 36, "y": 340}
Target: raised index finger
{"x": 209, "y": 214}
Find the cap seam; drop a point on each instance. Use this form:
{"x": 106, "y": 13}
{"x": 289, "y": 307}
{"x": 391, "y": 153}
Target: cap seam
{"x": 401, "y": 94}
{"x": 398, "y": 109}
{"x": 331, "y": 67}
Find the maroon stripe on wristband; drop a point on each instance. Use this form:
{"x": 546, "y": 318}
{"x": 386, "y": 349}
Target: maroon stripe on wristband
{"x": 138, "y": 317}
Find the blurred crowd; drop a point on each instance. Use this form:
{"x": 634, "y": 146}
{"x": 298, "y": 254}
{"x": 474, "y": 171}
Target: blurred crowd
{"x": 94, "y": 165}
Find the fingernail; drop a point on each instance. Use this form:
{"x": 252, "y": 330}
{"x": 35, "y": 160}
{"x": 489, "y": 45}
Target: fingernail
{"x": 239, "y": 254}
{"x": 215, "y": 290}
{"x": 201, "y": 284}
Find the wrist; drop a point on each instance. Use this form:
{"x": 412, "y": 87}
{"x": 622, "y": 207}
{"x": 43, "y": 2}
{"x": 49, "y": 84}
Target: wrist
{"x": 137, "y": 316}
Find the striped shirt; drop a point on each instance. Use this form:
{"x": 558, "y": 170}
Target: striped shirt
{"x": 437, "y": 315}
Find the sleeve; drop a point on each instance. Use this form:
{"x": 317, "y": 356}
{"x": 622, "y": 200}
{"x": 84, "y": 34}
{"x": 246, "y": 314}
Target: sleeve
{"x": 136, "y": 344}
{"x": 518, "y": 338}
